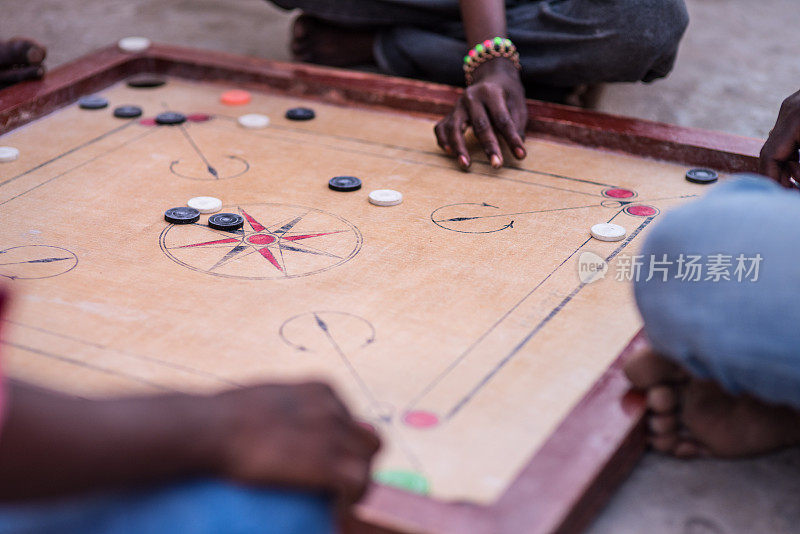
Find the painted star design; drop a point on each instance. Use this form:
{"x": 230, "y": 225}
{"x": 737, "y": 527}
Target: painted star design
{"x": 271, "y": 243}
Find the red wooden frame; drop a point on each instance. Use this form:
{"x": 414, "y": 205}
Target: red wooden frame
{"x": 572, "y": 475}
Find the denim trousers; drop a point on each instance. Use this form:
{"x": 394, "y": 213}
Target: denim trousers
{"x": 203, "y": 506}
{"x": 736, "y": 319}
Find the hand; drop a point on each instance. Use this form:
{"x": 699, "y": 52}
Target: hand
{"x": 493, "y": 105}
{"x": 20, "y": 60}
{"x": 779, "y": 156}
{"x": 296, "y": 435}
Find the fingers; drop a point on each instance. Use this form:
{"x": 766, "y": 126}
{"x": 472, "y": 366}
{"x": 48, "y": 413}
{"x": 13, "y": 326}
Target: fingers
{"x": 300, "y": 44}
{"x": 21, "y": 53}
{"x": 10, "y": 77}
{"x": 483, "y": 129}
{"x": 358, "y": 442}
{"x": 306, "y": 423}
{"x": 783, "y": 143}
{"x": 353, "y": 466}
{"x": 357, "y": 438}
{"x": 326, "y": 394}
{"x": 505, "y": 124}
{"x": 495, "y": 113}
{"x": 367, "y": 438}
{"x": 780, "y": 171}
{"x": 355, "y": 444}
{"x": 793, "y": 170}
{"x": 351, "y": 478}
{"x": 450, "y": 135}
{"x": 770, "y": 166}
{"x": 441, "y": 130}
{"x": 20, "y": 60}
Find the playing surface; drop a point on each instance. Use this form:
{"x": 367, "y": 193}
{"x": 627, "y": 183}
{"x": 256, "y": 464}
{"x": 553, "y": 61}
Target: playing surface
{"x": 455, "y": 323}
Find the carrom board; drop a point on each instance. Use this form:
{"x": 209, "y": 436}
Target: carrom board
{"x": 455, "y": 323}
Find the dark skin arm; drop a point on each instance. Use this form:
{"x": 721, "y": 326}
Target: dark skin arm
{"x": 779, "y": 156}
{"x": 278, "y": 435}
{"x": 20, "y": 59}
{"x": 494, "y": 105}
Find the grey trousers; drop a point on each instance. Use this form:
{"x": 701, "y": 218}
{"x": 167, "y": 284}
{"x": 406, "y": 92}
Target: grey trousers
{"x": 562, "y": 43}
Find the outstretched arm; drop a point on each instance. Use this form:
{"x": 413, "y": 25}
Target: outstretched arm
{"x": 280, "y": 435}
{"x": 494, "y": 104}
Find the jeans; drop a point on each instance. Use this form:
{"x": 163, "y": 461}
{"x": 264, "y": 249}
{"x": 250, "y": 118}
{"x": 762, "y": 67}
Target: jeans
{"x": 562, "y": 43}
{"x": 745, "y": 335}
{"x": 190, "y": 507}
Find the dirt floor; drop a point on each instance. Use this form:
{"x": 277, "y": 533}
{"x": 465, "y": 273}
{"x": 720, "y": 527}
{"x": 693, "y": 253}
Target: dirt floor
{"x": 737, "y": 62}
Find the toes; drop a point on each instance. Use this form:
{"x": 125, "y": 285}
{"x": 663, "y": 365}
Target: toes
{"x": 673, "y": 445}
{"x": 663, "y": 433}
{"x": 663, "y": 424}
{"x": 685, "y": 449}
{"x": 662, "y": 399}
{"x": 665, "y": 443}
{"x": 646, "y": 369}
{"x": 689, "y": 449}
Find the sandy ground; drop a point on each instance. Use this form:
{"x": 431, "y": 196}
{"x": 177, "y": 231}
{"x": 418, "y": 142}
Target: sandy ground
{"x": 736, "y": 64}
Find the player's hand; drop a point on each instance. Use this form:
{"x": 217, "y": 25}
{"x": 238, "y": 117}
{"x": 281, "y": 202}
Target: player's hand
{"x": 779, "y": 156}
{"x": 494, "y": 105}
{"x": 295, "y": 435}
{"x": 20, "y": 59}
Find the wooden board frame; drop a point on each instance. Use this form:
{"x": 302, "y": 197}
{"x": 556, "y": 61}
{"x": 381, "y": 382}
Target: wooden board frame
{"x": 577, "y": 469}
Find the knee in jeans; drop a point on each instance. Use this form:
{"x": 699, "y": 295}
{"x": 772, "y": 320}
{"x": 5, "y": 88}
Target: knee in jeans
{"x": 680, "y": 234}
{"x": 676, "y": 232}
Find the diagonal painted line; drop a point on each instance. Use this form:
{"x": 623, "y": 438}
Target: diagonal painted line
{"x": 68, "y": 152}
{"x": 538, "y": 328}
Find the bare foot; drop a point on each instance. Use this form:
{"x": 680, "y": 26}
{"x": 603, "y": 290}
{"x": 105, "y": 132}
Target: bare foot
{"x": 317, "y": 41}
{"x": 689, "y": 417}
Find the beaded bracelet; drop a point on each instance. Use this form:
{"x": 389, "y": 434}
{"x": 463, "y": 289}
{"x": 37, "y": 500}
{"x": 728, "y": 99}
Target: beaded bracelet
{"x": 488, "y": 50}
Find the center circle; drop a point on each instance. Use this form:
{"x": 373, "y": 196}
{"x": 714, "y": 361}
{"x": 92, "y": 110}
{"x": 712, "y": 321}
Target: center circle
{"x": 191, "y": 245}
{"x": 260, "y": 239}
